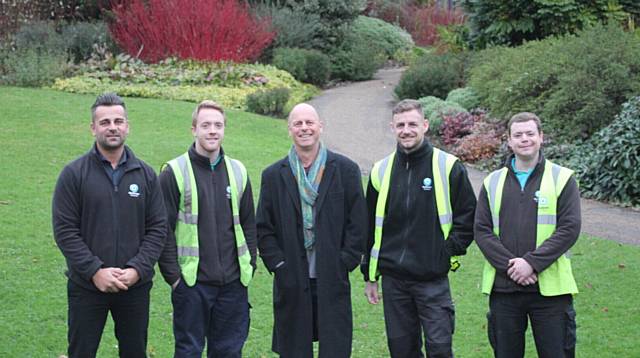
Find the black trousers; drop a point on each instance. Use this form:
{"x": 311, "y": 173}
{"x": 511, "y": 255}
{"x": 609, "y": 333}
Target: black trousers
{"x": 88, "y": 312}
{"x": 218, "y": 313}
{"x": 552, "y": 320}
{"x": 411, "y": 307}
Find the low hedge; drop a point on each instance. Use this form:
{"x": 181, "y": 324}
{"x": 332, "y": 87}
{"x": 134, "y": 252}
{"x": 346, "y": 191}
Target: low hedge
{"x": 227, "y": 83}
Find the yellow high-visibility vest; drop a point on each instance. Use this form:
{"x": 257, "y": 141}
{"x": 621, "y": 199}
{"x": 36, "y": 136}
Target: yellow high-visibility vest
{"x": 442, "y": 164}
{"x": 187, "y": 224}
{"x": 556, "y": 279}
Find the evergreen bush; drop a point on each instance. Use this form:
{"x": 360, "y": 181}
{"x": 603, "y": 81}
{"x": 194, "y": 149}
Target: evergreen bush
{"x": 465, "y": 97}
{"x": 608, "y": 164}
{"x": 432, "y": 75}
{"x": 269, "y": 102}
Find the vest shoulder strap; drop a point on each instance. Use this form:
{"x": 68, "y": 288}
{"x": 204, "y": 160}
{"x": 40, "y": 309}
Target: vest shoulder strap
{"x": 378, "y": 170}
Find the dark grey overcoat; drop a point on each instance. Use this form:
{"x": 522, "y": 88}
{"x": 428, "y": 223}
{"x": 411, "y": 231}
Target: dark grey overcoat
{"x": 340, "y": 229}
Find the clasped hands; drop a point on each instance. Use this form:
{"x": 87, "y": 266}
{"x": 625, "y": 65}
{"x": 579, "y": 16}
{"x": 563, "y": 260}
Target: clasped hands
{"x": 114, "y": 279}
{"x": 521, "y": 272}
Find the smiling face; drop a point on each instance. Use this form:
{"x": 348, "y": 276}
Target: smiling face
{"x": 305, "y": 127}
{"x": 409, "y": 128}
{"x": 110, "y": 127}
{"x": 525, "y": 140}
{"x": 208, "y": 132}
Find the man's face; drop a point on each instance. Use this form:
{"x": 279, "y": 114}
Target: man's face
{"x": 409, "y": 128}
{"x": 525, "y": 139}
{"x": 110, "y": 127}
{"x": 209, "y": 131}
{"x": 305, "y": 128}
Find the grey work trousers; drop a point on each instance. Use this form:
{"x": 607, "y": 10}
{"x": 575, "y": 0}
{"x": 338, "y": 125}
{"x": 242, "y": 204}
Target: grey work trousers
{"x": 413, "y": 307}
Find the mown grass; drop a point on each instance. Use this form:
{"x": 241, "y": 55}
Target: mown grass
{"x": 42, "y": 130}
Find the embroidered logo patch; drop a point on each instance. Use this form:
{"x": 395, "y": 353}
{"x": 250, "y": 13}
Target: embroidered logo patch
{"x": 134, "y": 190}
{"x": 541, "y": 200}
{"x": 426, "y": 184}
{"x": 228, "y": 192}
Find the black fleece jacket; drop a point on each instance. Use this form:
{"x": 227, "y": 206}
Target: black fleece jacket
{"x": 97, "y": 224}
{"x": 413, "y": 245}
{"x": 518, "y": 217}
{"x": 218, "y": 263}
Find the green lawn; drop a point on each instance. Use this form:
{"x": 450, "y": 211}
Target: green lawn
{"x": 43, "y": 130}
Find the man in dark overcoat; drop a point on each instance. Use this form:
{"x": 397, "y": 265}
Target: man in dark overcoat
{"x": 311, "y": 223}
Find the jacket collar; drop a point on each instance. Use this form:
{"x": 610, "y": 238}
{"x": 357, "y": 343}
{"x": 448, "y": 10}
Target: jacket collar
{"x": 128, "y": 159}
{"x": 424, "y": 151}
{"x": 539, "y": 168}
{"x": 201, "y": 160}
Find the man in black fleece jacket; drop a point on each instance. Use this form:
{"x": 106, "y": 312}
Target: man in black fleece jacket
{"x": 210, "y": 253}
{"x": 527, "y": 273}
{"x": 109, "y": 222}
{"x": 413, "y": 252}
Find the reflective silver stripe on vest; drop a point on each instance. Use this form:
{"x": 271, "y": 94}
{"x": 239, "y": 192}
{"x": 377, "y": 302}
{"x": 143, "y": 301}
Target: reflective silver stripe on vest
{"x": 442, "y": 160}
{"x": 379, "y": 221}
{"x": 237, "y": 174}
{"x": 188, "y": 218}
{"x": 242, "y": 249}
{"x": 493, "y": 191}
{"x": 555, "y": 171}
{"x": 375, "y": 253}
{"x": 188, "y": 251}
{"x": 236, "y": 220}
{"x": 546, "y": 219}
{"x": 445, "y": 219}
{"x": 186, "y": 179}
{"x": 383, "y": 169}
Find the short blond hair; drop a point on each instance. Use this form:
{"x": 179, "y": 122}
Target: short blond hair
{"x": 206, "y": 104}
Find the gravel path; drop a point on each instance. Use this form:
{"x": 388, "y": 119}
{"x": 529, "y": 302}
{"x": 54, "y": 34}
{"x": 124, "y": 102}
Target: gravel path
{"x": 357, "y": 116}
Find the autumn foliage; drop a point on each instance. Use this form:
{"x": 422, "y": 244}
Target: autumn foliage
{"x": 189, "y": 29}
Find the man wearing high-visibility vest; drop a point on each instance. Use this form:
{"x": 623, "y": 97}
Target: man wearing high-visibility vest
{"x": 209, "y": 257}
{"x": 421, "y": 207}
{"x": 528, "y": 217}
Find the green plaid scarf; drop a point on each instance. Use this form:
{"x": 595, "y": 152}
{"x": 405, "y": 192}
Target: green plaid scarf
{"x": 308, "y": 188}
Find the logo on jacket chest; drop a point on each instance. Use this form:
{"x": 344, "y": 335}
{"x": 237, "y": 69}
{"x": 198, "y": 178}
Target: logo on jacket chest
{"x": 228, "y": 192}
{"x": 427, "y": 184}
{"x": 542, "y": 201}
{"x": 134, "y": 190}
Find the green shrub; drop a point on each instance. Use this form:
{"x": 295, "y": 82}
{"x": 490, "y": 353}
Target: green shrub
{"x": 465, "y": 97}
{"x": 409, "y": 57}
{"x": 436, "y": 109}
{"x": 388, "y": 38}
{"x": 608, "y": 164}
{"x": 226, "y": 83}
{"x": 31, "y": 68}
{"x": 433, "y": 75}
{"x": 38, "y": 58}
{"x": 41, "y": 37}
{"x": 268, "y": 102}
{"x": 496, "y": 22}
{"x": 356, "y": 61}
{"x": 318, "y": 68}
{"x": 82, "y": 36}
{"x": 309, "y": 66}
{"x": 292, "y": 60}
{"x": 575, "y": 84}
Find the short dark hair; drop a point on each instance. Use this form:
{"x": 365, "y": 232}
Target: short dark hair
{"x": 108, "y": 99}
{"x": 524, "y": 117}
{"x": 407, "y": 105}
{"x": 206, "y": 104}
